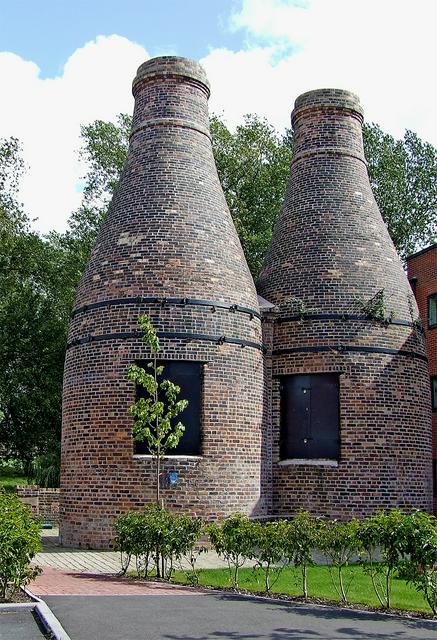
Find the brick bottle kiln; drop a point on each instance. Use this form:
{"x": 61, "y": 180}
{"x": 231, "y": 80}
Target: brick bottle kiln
{"x": 350, "y": 387}
{"x": 168, "y": 249}
{"x": 335, "y": 418}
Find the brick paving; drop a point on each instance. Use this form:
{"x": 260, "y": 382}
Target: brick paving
{"x": 60, "y": 582}
{"x": 77, "y": 572}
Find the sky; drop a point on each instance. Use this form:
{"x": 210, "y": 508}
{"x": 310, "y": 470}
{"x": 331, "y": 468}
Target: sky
{"x": 66, "y": 63}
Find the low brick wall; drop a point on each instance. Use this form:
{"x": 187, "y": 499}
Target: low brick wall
{"x": 42, "y": 502}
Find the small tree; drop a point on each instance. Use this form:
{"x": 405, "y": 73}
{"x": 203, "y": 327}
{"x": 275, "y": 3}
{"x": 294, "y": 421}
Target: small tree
{"x": 155, "y": 414}
{"x": 302, "y": 538}
{"x": 269, "y": 551}
{"x": 234, "y": 539}
{"x": 340, "y": 541}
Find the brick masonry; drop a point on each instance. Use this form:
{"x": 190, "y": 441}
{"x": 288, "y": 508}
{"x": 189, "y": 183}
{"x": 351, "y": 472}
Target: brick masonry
{"x": 330, "y": 254}
{"x": 422, "y": 273}
{"x": 168, "y": 234}
{"x": 168, "y": 240}
{"x": 42, "y": 502}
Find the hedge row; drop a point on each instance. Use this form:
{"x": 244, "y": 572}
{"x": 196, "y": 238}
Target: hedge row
{"x": 387, "y": 544}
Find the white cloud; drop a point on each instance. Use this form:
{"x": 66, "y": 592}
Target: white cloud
{"x": 46, "y": 114}
{"x": 384, "y": 50}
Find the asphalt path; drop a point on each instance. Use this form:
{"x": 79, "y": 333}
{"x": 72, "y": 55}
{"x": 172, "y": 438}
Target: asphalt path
{"x": 222, "y": 617}
{"x": 19, "y": 624}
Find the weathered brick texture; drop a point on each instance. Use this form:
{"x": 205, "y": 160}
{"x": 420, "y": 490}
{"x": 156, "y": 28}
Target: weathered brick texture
{"x": 169, "y": 234}
{"x": 330, "y": 254}
{"x": 422, "y": 273}
{"x": 41, "y": 501}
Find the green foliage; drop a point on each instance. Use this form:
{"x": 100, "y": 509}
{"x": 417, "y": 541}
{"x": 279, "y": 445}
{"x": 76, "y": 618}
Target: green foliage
{"x": 420, "y": 565}
{"x": 302, "y": 538}
{"x": 19, "y": 542}
{"x": 376, "y": 307}
{"x": 155, "y": 414}
{"x": 403, "y": 175}
{"x": 156, "y": 538}
{"x": 253, "y": 164}
{"x": 383, "y": 538}
{"x": 340, "y": 541}
{"x": 269, "y": 552}
{"x": 235, "y": 540}
{"x": 45, "y": 469}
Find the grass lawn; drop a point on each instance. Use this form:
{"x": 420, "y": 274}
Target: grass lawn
{"x": 319, "y": 585}
{"x": 9, "y": 482}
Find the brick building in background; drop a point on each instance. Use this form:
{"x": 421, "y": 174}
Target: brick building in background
{"x": 422, "y": 274}
{"x": 334, "y": 417}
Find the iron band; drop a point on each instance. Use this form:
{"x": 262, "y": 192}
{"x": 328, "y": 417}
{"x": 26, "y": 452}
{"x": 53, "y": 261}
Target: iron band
{"x": 323, "y": 151}
{"x": 173, "y": 122}
{"x": 214, "y": 305}
{"x": 343, "y": 317}
{"x": 189, "y": 337}
{"x": 341, "y": 348}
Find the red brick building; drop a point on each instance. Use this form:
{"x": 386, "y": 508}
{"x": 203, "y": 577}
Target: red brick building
{"x": 422, "y": 274}
{"x": 314, "y": 394}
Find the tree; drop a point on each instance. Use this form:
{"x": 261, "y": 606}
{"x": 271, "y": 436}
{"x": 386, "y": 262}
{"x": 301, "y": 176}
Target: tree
{"x": 33, "y": 323}
{"x": 403, "y": 175}
{"x": 155, "y": 414}
{"x": 253, "y": 164}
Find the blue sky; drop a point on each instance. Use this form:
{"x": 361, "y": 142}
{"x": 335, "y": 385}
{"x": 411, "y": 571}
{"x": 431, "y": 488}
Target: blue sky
{"x": 66, "y": 63}
{"x": 48, "y": 31}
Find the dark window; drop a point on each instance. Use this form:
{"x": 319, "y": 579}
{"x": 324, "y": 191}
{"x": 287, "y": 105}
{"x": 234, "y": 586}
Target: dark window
{"x": 188, "y": 376}
{"x": 310, "y": 416}
{"x": 432, "y": 310}
{"x": 434, "y": 393}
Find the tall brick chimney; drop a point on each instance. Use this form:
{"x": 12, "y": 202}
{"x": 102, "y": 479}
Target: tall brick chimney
{"x": 168, "y": 249}
{"x": 351, "y": 414}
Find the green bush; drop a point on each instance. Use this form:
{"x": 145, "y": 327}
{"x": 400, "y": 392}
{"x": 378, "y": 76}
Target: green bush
{"x": 234, "y": 539}
{"x": 156, "y": 538}
{"x": 303, "y": 536}
{"x": 269, "y": 549}
{"x": 340, "y": 541}
{"x": 45, "y": 470}
{"x": 384, "y": 540}
{"x": 420, "y": 566}
{"x": 19, "y": 542}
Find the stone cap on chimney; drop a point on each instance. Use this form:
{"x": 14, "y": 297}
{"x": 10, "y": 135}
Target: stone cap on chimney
{"x": 326, "y": 98}
{"x": 171, "y": 66}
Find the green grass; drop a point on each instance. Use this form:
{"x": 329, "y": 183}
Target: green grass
{"x": 320, "y": 585}
{"x": 9, "y": 482}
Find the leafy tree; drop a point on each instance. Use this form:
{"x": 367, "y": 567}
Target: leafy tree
{"x": 234, "y": 539}
{"x": 253, "y": 164}
{"x": 33, "y": 324}
{"x": 269, "y": 551}
{"x": 303, "y": 533}
{"x": 340, "y": 541}
{"x": 403, "y": 175}
{"x": 155, "y": 415}
{"x": 383, "y": 538}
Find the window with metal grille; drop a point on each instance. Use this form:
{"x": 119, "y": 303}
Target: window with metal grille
{"x": 310, "y": 416}
{"x": 432, "y": 310}
{"x": 188, "y": 376}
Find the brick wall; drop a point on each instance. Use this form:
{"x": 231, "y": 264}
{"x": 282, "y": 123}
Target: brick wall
{"x": 422, "y": 273}
{"x": 330, "y": 254}
{"x": 167, "y": 247}
{"x": 42, "y": 502}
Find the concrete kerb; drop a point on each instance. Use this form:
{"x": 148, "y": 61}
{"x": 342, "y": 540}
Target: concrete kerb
{"x": 47, "y": 617}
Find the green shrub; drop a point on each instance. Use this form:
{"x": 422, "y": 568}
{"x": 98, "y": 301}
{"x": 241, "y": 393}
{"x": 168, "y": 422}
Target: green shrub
{"x": 420, "y": 566}
{"x": 383, "y": 537}
{"x": 19, "y": 542}
{"x": 234, "y": 539}
{"x": 45, "y": 470}
{"x": 302, "y": 538}
{"x": 269, "y": 549}
{"x": 339, "y": 541}
{"x": 156, "y": 538}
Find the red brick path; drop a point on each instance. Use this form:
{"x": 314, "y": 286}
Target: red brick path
{"x": 57, "y": 582}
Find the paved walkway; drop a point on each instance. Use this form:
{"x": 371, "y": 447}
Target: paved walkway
{"x": 76, "y": 572}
